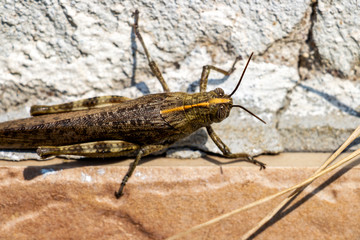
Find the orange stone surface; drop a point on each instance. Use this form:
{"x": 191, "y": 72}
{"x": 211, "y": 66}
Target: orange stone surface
{"x": 75, "y": 200}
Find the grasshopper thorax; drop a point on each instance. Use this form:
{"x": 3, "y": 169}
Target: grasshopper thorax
{"x": 203, "y": 109}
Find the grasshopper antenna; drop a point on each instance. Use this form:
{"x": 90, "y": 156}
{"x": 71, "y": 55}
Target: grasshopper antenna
{"x": 237, "y": 86}
{"x": 249, "y": 112}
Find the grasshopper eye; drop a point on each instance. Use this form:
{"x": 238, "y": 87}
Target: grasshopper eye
{"x": 222, "y": 113}
{"x": 219, "y": 92}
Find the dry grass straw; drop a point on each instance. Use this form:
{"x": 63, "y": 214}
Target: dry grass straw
{"x": 325, "y": 168}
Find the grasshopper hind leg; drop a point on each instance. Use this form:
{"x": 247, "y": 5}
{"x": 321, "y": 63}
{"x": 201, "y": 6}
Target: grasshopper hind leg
{"x": 84, "y": 104}
{"x": 113, "y": 148}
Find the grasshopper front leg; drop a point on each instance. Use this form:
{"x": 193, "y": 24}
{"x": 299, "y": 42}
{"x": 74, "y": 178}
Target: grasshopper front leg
{"x": 216, "y": 139}
{"x": 206, "y": 71}
{"x": 226, "y": 151}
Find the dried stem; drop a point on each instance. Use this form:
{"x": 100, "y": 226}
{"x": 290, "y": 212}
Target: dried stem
{"x": 321, "y": 171}
{"x": 293, "y": 195}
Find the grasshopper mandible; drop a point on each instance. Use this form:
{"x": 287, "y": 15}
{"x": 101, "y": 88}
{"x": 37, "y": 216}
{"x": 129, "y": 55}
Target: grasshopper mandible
{"x": 112, "y": 126}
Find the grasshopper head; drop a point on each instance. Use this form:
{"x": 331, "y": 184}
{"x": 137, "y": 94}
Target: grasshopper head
{"x": 221, "y": 104}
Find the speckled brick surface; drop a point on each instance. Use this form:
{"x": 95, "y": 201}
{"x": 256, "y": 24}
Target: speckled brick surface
{"x": 73, "y": 201}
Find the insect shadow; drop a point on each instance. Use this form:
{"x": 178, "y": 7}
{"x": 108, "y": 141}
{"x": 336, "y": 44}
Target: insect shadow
{"x": 211, "y": 81}
{"x": 32, "y": 172}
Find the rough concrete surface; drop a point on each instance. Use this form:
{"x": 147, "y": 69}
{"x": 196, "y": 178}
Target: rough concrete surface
{"x": 303, "y": 80}
{"x": 57, "y": 200}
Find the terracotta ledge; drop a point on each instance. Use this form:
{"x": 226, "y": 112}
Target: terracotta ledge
{"x": 75, "y": 200}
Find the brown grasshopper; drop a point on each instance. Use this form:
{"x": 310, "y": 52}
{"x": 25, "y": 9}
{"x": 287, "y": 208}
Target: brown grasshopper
{"x": 113, "y": 126}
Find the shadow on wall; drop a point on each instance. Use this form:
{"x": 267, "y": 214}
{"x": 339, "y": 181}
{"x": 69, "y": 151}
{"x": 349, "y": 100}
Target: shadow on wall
{"x": 332, "y": 100}
{"x": 335, "y": 102}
